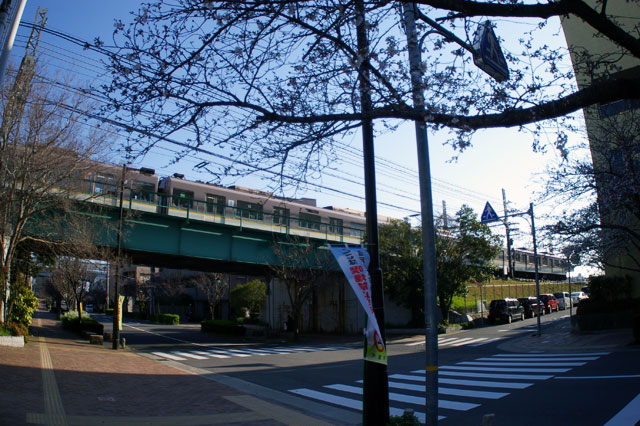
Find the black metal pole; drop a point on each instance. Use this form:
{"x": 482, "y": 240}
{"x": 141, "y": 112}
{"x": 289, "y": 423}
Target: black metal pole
{"x": 375, "y": 405}
{"x": 535, "y": 259}
{"x": 116, "y": 312}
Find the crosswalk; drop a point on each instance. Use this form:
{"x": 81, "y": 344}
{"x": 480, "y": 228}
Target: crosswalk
{"x": 459, "y": 341}
{"x": 462, "y": 386}
{"x": 210, "y": 352}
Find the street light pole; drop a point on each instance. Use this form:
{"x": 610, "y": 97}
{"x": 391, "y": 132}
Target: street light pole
{"x": 116, "y": 311}
{"x": 428, "y": 229}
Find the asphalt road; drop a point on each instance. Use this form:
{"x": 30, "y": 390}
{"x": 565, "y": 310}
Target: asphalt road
{"x": 476, "y": 376}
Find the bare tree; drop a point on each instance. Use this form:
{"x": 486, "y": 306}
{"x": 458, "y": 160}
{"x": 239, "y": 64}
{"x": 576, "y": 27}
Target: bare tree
{"x": 44, "y": 153}
{"x": 302, "y": 268}
{"x": 213, "y": 286}
{"x": 602, "y": 181}
{"x": 276, "y": 83}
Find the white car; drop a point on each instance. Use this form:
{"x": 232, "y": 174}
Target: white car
{"x": 563, "y": 299}
{"x": 577, "y": 296}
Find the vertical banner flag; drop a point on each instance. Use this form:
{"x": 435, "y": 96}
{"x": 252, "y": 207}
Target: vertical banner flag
{"x": 120, "y": 301}
{"x": 354, "y": 262}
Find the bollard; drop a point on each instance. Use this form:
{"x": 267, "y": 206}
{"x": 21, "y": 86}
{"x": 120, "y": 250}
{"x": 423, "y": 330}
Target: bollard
{"x": 488, "y": 419}
{"x": 123, "y": 343}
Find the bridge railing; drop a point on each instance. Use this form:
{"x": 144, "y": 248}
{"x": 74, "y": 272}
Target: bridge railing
{"x": 252, "y": 218}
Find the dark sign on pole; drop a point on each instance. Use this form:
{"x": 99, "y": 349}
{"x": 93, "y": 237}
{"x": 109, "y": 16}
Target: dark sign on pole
{"x": 488, "y": 55}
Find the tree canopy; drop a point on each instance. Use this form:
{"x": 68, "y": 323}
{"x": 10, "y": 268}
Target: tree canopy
{"x": 276, "y": 83}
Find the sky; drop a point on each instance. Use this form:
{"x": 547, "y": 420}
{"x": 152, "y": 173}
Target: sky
{"x": 499, "y": 159}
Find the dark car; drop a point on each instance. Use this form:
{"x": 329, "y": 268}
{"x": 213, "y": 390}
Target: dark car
{"x": 550, "y": 303}
{"x": 530, "y": 305}
{"x": 505, "y": 310}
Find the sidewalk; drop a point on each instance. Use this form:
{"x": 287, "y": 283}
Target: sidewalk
{"x": 558, "y": 337}
{"x": 60, "y": 379}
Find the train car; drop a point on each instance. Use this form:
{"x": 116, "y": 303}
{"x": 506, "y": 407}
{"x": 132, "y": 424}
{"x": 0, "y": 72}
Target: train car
{"x": 550, "y": 267}
{"x": 241, "y": 206}
{"x": 101, "y": 183}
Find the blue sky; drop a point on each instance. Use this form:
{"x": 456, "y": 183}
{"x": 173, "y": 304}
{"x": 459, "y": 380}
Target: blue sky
{"x": 500, "y": 158}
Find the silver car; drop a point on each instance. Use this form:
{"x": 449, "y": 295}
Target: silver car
{"x": 563, "y": 298}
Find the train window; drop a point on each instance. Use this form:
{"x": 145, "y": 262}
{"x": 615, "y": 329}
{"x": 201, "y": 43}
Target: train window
{"x": 356, "y": 230}
{"x": 143, "y": 191}
{"x": 335, "y": 226}
{"x": 182, "y": 198}
{"x": 309, "y": 221}
{"x": 215, "y": 204}
{"x": 280, "y": 216}
{"x": 104, "y": 184}
{"x": 518, "y": 259}
{"x": 249, "y": 210}
{"x": 545, "y": 261}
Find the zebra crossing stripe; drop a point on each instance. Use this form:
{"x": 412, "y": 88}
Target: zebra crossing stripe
{"x": 469, "y": 342}
{"x": 487, "y": 341}
{"x": 169, "y": 356}
{"x": 525, "y": 364}
{"x": 444, "y": 372}
{"x": 456, "y": 342}
{"x": 449, "y": 391}
{"x": 416, "y": 400}
{"x": 506, "y": 369}
{"x": 477, "y": 383}
{"x": 189, "y": 355}
{"x": 213, "y": 354}
{"x": 539, "y": 359}
{"x": 550, "y": 355}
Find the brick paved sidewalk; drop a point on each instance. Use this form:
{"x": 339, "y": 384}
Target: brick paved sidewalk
{"x": 59, "y": 379}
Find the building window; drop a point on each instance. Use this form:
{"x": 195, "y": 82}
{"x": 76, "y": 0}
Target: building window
{"x": 104, "y": 184}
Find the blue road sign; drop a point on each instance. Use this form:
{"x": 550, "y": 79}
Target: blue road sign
{"x": 488, "y": 214}
{"x": 488, "y": 56}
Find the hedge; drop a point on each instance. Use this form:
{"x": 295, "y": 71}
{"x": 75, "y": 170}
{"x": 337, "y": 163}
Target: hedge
{"x": 70, "y": 321}
{"x": 172, "y": 319}
{"x": 222, "y": 327}
{"x": 14, "y": 329}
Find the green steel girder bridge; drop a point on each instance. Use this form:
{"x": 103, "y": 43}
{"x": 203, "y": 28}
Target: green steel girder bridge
{"x": 193, "y": 237}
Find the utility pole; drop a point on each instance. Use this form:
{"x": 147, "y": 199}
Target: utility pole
{"x": 7, "y": 7}
{"x": 375, "y": 403}
{"x": 117, "y": 311}
{"x": 428, "y": 230}
{"x": 506, "y": 226}
{"x": 445, "y": 219}
{"x": 535, "y": 259}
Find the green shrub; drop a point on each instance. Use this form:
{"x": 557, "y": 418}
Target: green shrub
{"x": 136, "y": 315}
{"x": 70, "y": 321}
{"x": 14, "y": 329}
{"x": 23, "y": 304}
{"x": 228, "y": 327}
{"x": 171, "y": 319}
{"x": 609, "y": 288}
{"x": 406, "y": 419}
{"x": 109, "y": 311}
{"x": 249, "y": 296}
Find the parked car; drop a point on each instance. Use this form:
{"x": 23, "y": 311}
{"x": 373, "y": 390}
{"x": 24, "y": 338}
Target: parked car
{"x": 530, "y": 305}
{"x": 89, "y": 308}
{"x": 505, "y": 310}
{"x": 577, "y": 296}
{"x": 586, "y": 291}
{"x": 63, "y": 306}
{"x": 563, "y": 298}
{"x": 550, "y": 303}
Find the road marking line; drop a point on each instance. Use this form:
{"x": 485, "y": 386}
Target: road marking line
{"x": 169, "y": 356}
{"x": 507, "y": 370}
{"x": 540, "y": 359}
{"x": 629, "y": 415}
{"x": 480, "y": 339}
{"x": 444, "y": 372}
{"x": 189, "y": 355}
{"x": 487, "y": 341}
{"x": 416, "y": 400}
{"x": 449, "y": 391}
{"x": 599, "y": 377}
{"x": 526, "y": 364}
{"x": 551, "y": 355}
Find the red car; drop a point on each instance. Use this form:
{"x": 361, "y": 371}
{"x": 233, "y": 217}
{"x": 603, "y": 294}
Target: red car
{"x": 550, "y": 303}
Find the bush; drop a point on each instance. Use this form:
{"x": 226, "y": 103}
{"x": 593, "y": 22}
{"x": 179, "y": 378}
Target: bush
{"x": 14, "y": 329}
{"x": 609, "y": 288}
{"x": 406, "y": 419}
{"x": 136, "y": 315}
{"x": 222, "y": 326}
{"x": 171, "y": 319}
{"x": 70, "y": 321}
{"x": 23, "y": 304}
{"x": 109, "y": 311}
{"x": 249, "y": 296}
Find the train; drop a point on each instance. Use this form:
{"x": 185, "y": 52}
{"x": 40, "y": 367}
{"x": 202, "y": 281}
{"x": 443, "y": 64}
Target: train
{"x": 235, "y": 205}
{"x": 550, "y": 267}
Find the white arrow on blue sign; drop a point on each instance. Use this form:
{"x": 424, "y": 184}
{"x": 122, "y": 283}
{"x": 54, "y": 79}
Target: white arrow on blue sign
{"x": 488, "y": 214}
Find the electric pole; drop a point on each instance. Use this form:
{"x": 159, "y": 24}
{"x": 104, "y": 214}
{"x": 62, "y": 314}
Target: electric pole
{"x": 506, "y": 226}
